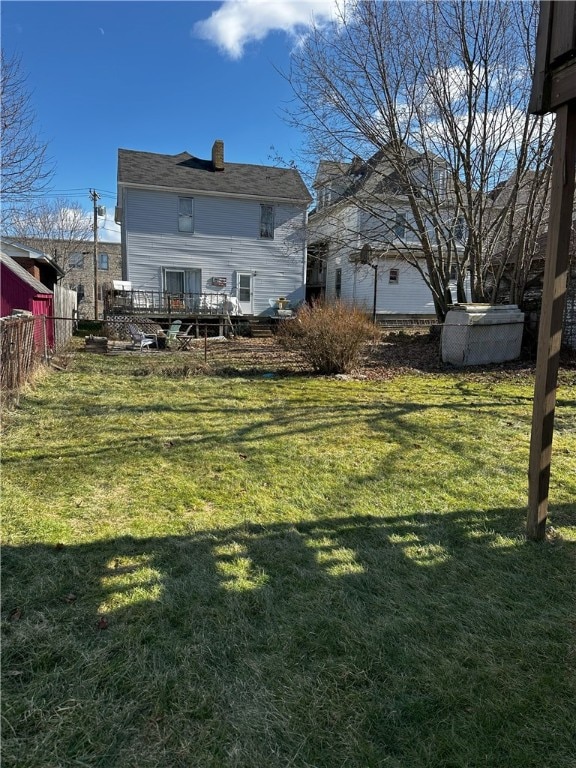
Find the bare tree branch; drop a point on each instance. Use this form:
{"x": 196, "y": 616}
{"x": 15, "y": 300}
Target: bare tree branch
{"x": 25, "y": 166}
{"x": 433, "y": 95}
{"x": 58, "y": 228}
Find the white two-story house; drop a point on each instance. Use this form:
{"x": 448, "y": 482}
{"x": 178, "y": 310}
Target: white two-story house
{"x": 207, "y": 228}
{"x": 364, "y": 244}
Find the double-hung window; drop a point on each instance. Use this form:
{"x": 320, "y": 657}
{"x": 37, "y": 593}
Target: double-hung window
{"x": 400, "y": 225}
{"x": 185, "y": 214}
{"x": 102, "y": 261}
{"x": 338, "y": 282}
{"x": 76, "y": 261}
{"x": 460, "y": 228}
{"x": 267, "y": 222}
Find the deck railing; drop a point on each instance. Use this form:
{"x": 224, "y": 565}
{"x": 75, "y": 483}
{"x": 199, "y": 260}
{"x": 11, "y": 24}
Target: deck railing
{"x": 171, "y": 304}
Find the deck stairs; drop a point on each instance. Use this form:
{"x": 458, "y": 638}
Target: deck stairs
{"x": 260, "y": 330}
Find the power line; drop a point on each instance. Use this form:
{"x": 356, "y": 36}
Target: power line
{"x": 62, "y": 190}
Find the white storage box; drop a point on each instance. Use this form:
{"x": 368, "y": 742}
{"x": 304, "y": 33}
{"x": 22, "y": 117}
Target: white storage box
{"x": 480, "y": 334}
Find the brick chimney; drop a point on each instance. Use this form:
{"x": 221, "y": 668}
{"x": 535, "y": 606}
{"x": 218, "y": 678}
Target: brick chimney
{"x": 218, "y": 155}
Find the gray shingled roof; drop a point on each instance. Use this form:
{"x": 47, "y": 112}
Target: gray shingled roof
{"x": 186, "y": 172}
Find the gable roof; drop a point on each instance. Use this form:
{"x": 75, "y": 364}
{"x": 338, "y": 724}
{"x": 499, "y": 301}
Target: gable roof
{"x": 21, "y": 250}
{"x": 189, "y": 173}
{"x": 20, "y": 272}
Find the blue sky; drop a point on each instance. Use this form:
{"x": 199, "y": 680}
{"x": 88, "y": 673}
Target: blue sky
{"x": 158, "y": 77}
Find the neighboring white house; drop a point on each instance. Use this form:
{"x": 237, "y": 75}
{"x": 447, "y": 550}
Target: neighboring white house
{"x": 193, "y": 226}
{"x": 363, "y": 214}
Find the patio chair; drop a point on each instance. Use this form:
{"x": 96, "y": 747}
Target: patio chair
{"x": 173, "y": 331}
{"x": 141, "y": 339}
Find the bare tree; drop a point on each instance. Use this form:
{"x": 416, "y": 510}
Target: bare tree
{"x": 425, "y": 103}
{"x": 58, "y": 228}
{"x": 26, "y": 169}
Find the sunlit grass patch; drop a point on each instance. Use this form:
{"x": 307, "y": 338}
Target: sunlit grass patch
{"x": 243, "y": 572}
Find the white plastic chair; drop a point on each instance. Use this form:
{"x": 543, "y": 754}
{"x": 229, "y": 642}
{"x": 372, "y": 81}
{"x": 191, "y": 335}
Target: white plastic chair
{"x": 141, "y": 339}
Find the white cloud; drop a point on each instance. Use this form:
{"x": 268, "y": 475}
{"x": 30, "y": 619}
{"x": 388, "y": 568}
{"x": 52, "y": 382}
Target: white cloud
{"x": 238, "y": 22}
{"x": 108, "y": 230}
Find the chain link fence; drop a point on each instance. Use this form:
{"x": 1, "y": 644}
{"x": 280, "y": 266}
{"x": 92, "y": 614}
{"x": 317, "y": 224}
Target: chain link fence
{"x": 23, "y": 346}
{"x": 27, "y": 341}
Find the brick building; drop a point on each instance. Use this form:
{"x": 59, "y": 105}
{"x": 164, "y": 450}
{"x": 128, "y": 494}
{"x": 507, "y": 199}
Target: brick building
{"x": 79, "y": 272}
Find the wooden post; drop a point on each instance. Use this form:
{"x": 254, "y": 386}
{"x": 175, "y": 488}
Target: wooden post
{"x": 94, "y": 196}
{"x": 550, "y": 331}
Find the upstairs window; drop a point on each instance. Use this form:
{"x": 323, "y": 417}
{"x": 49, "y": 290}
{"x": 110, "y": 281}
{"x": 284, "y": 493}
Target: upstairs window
{"x": 400, "y": 225}
{"x": 267, "y": 222}
{"x": 394, "y": 276}
{"x": 185, "y": 214}
{"x": 102, "y": 261}
{"x": 460, "y": 228}
{"x": 324, "y": 197}
{"x": 440, "y": 179}
{"x": 76, "y": 261}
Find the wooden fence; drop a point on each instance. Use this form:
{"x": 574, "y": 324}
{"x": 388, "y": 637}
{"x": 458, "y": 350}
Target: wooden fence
{"x": 65, "y": 306}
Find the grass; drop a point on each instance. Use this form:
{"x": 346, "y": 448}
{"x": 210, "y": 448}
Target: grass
{"x": 254, "y": 572}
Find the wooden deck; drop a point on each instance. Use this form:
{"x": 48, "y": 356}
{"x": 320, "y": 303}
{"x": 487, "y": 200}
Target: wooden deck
{"x": 167, "y": 305}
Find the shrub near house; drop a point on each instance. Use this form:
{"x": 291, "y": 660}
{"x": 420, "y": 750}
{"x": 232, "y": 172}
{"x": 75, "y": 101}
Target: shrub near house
{"x": 330, "y": 337}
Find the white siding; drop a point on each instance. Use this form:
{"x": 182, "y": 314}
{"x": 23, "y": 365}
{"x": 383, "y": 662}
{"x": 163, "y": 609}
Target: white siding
{"x": 410, "y": 296}
{"x": 346, "y": 229}
{"x": 226, "y": 239}
{"x": 339, "y": 225}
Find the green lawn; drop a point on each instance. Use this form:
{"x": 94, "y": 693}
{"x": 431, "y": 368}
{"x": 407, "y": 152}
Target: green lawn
{"x": 253, "y": 572}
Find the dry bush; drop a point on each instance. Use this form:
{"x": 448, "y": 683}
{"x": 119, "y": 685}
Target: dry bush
{"x": 330, "y": 337}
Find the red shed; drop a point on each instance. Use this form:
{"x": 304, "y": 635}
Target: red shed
{"x": 20, "y": 290}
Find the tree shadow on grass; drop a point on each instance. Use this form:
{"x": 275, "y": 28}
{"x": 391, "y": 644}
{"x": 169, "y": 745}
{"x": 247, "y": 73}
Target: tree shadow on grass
{"x": 412, "y": 640}
{"x": 112, "y": 432}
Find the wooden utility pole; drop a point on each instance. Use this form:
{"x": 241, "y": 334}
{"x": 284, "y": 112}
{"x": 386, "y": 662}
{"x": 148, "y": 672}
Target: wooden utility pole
{"x": 553, "y": 90}
{"x": 94, "y": 196}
